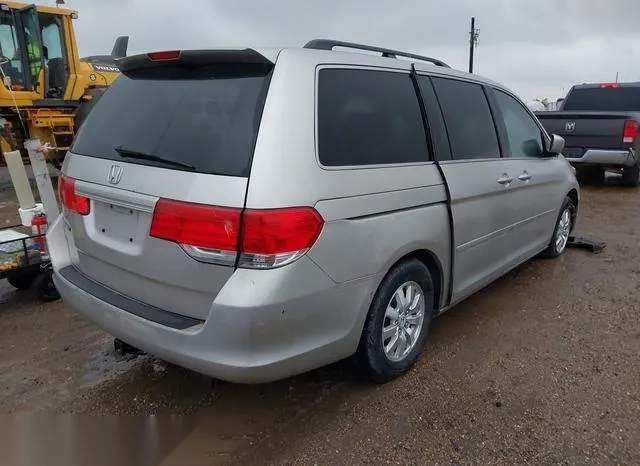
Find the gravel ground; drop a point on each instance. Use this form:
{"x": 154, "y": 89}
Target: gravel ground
{"x": 541, "y": 367}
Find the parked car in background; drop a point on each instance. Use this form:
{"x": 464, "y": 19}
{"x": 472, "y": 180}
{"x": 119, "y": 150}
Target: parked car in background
{"x": 599, "y": 123}
{"x": 254, "y": 214}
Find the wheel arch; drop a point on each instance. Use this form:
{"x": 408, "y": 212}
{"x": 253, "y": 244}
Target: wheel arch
{"x": 575, "y": 199}
{"x": 433, "y": 264}
{"x": 573, "y": 195}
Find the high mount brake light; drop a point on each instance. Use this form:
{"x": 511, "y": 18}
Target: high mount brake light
{"x": 254, "y": 238}
{"x": 609, "y": 86}
{"x": 164, "y": 56}
{"x": 69, "y": 199}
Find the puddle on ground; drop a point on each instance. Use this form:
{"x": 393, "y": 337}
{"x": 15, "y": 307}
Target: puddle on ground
{"x": 106, "y": 362}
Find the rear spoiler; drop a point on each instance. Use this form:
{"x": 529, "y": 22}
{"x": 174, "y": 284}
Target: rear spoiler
{"x": 182, "y": 58}
{"x": 120, "y": 47}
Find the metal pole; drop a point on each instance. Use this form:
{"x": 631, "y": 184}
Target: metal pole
{"x": 20, "y": 180}
{"x": 472, "y": 34}
{"x": 40, "y": 169}
{"x": 473, "y": 42}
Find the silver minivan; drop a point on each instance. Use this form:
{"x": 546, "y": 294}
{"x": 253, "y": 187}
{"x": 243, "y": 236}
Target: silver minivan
{"x": 254, "y": 214}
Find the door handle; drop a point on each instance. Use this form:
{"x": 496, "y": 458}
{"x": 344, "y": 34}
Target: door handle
{"x": 524, "y": 177}
{"x": 505, "y": 179}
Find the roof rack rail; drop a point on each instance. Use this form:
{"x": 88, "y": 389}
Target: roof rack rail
{"x": 328, "y": 44}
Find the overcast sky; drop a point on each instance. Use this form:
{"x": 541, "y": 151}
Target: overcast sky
{"x": 535, "y": 47}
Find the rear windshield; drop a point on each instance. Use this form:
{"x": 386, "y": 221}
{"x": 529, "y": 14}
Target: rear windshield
{"x": 621, "y": 99}
{"x": 206, "y": 119}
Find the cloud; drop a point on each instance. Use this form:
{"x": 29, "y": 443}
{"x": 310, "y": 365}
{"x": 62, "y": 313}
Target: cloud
{"x": 536, "y": 47}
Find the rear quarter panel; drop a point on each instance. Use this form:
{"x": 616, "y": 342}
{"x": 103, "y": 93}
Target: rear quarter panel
{"x": 373, "y": 216}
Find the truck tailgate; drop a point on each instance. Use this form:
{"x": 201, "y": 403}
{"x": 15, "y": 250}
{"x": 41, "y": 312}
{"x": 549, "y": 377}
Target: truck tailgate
{"x": 582, "y": 130}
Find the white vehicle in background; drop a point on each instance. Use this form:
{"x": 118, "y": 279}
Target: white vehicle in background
{"x": 536, "y": 106}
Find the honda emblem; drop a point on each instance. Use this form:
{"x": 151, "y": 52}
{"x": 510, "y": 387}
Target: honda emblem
{"x": 570, "y": 126}
{"x": 115, "y": 174}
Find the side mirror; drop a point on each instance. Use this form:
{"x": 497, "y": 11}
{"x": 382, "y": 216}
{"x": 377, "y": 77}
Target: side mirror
{"x": 556, "y": 145}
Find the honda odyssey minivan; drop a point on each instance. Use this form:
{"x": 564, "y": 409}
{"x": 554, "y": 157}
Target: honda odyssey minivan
{"x": 254, "y": 214}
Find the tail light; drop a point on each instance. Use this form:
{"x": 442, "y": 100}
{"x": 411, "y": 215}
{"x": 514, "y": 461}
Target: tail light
{"x": 272, "y": 238}
{"x": 630, "y": 132}
{"x": 208, "y": 233}
{"x": 258, "y": 239}
{"x": 69, "y": 199}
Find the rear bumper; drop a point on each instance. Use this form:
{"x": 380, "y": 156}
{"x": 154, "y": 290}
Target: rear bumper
{"x": 624, "y": 158}
{"x": 262, "y": 326}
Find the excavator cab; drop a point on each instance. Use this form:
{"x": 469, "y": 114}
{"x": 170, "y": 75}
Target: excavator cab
{"x": 33, "y": 52}
{"x": 46, "y": 89}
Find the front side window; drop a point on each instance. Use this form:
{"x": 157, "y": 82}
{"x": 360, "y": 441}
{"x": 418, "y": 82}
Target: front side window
{"x": 368, "y": 117}
{"x": 10, "y": 50}
{"x": 523, "y": 134}
{"x": 472, "y": 133}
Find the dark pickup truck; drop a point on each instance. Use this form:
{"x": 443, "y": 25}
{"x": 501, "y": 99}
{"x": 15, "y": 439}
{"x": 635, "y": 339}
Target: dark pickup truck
{"x": 599, "y": 123}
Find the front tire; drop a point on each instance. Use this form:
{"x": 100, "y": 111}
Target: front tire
{"x": 562, "y": 230}
{"x": 398, "y": 322}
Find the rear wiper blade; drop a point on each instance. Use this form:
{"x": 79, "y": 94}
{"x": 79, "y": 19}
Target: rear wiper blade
{"x": 134, "y": 154}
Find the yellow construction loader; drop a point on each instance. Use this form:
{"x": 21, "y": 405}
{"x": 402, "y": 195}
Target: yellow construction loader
{"x": 47, "y": 90}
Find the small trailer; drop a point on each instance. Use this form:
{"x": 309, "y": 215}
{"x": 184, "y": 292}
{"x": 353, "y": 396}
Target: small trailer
{"x": 25, "y": 263}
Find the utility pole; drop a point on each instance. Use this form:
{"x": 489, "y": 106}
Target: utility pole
{"x": 473, "y": 42}
{"x": 616, "y": 76}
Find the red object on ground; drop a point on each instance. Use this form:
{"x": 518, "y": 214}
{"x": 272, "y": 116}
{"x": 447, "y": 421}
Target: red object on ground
{"x": 39, "y": 226}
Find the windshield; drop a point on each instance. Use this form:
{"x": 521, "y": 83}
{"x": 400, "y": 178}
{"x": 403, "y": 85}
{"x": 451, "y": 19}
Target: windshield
{"x": 204, "y": 120}
{"x": 620, "y": 99}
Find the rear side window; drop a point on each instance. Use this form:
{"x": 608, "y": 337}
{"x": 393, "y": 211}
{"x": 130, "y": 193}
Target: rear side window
{"x": 203, "y": 119}
{"x": 472, "y": 133}
{"x": 369, "y": 118}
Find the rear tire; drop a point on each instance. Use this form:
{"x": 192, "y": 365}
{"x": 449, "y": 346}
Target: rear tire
{"x": 403, "y": 308}
{"x": 562, "y": 230}
{"x": 590, "y": 175}
{"x": 45, "y": 288}
{"x": 631, "y": 175}
{"x": 22, "y": 281}
{"x": 57, "y": 163}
